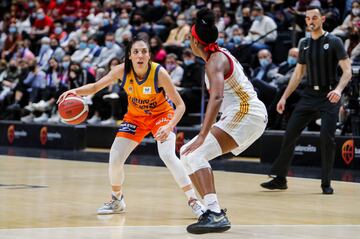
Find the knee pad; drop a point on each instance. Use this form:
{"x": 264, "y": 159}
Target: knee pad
{"x": 199, "y": 158}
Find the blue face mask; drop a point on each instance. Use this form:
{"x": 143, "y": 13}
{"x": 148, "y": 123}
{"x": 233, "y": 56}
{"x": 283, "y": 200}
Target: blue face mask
{"x": 12, "y": 29}
{"x": 66, "y": 64}
{"x": 220, "y": 41}
{"x": 44, "y": 48}
{"x": 124, "y": 22}
{"x": 92, "y": 46}
{"x": 58, "y": 30}
{"x": 59, "y": 1}
{"x": 189, "y": 62}
{"x": 264, "y": 62}
{"x": 85, "y": 65}
{"x": 291, "y": 60}
{"x": 106, "y": 22}
{"x": 157, "y": 3}
{"x": 82, "y": 45}
{"x": 109, "y": 44}
{"x": 40, "y": 16}
{"x": 237, "y": 39}
{"x": 258, "y": 18}
{"x": 187, "y": 43}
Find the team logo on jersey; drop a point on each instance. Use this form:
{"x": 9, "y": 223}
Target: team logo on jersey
{"x": 131, "y": 89}
{"x": 147, "y": 90}
{"x": 126, "y": 127}
{"x": 326, "y": 46}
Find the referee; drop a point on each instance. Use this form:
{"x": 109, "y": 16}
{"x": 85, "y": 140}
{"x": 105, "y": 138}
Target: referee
{"x": 318, "y": 57}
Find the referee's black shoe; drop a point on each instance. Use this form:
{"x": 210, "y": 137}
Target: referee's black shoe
{"x": 210, "y": 222}
{"x": 276, "y": 183}
{"x": 327, "y": 189}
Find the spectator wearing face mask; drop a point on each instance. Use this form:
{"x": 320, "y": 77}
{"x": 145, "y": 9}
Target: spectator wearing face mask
{"x": 10, "y": 78}
{"x": 23, "y": 52}
{"x": 86, "y": 65}
{"x": 44, "y": 54}
{"x": 111, "y": 50}
{"x": 191, "y": 82}
{"x": 177, "y": 35}
{"x": 236, "y": 40}
{"x": 343, "y": 30}
{"x": 174, "y": 69}
{"x": 139, "y": 25}
{"x": 95, "y": 49}
{"x": 352, "y": 44}
{"x": 107, "y": 24}
{"x": 261, "y": 77}
{"x": 43, "y": 25}
{"x": 11, "y": 40}
{"x": 59, "y": 33}
{"x": 58, "y": 52}
{"x": 158, "y": 53}
{"x": 82, "y": 50}
{"x": 123, "y": 28}
{"x": 222, "y": 39}
{"x": 262, "y": 30}
{"x": 28, "y": 91}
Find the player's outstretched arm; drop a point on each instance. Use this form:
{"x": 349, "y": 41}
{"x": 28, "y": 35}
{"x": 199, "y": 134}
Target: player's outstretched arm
{"x": 90, "y": 89}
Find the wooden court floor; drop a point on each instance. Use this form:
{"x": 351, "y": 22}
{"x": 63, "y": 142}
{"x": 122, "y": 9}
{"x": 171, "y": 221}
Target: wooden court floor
{"x": 47, "y": 198}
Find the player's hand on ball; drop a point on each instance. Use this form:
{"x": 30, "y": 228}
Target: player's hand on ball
{"x": 162, "y": 133}
{"x": 64, "y": 95}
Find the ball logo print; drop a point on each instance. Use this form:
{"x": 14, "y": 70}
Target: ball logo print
{"x": 347, "y": 151}
{"x": 43, "y": 135}
{"x": 11, "y": 133}
{"x": 73, "y": 110}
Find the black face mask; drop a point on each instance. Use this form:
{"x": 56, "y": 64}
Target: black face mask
{"x": 354, "y": 36}
{"x": 32, "y": 67}
{"x": 137, "y": 22}
{"x": 53, "y": 47}
{"x": 155, "y": 48}
{"x": 12, "y": 68}
{"x": 125, "y": 42}
{"x": 246, "y": 19}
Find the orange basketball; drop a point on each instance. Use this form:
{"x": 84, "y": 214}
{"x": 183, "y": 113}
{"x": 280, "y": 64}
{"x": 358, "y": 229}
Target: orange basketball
{"x": 73, "y": 110}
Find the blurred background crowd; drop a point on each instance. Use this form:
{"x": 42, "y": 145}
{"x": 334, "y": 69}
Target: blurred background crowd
{"x": 49, "y": 46}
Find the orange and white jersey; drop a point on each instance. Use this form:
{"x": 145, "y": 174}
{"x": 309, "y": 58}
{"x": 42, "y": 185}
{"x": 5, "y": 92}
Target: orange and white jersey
{"x": 144, "y": 96}
{"x": 239, "y": 93}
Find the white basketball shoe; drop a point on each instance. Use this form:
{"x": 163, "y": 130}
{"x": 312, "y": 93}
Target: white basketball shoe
{"x": 113, "y": 207}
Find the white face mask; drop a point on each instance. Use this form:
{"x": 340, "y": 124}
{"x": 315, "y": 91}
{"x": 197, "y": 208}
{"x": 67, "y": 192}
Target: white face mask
{"x": 355, "y": 11}
{"x": 180, "y": 23}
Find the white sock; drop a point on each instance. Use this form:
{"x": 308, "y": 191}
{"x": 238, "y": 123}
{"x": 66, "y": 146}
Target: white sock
{"x": 117, "y": 194}
{"x": 190, "y": 194}
{"x": 212, "y": 203}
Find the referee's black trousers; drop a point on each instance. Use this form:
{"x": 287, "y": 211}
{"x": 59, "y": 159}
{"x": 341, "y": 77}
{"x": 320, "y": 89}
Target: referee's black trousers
{"x": 311, "y": 104}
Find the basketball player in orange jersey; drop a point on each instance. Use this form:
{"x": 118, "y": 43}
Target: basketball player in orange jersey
{"x": 147, "y": 84}
{"x": 243, "y": 119}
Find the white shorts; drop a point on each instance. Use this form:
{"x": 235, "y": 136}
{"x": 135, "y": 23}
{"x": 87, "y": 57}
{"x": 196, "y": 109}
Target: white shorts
{"x": 244, "y": 129}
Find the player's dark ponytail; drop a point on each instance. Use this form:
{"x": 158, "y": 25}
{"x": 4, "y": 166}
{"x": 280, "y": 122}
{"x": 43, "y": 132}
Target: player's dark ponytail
{"x": 205, "y": 30}
{"x": 205, "y": 25}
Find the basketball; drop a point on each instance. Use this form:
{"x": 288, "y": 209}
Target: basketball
{"x": 73, "y": 110}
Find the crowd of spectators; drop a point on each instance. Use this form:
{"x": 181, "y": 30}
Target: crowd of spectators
{"x": 49, "y": 46}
